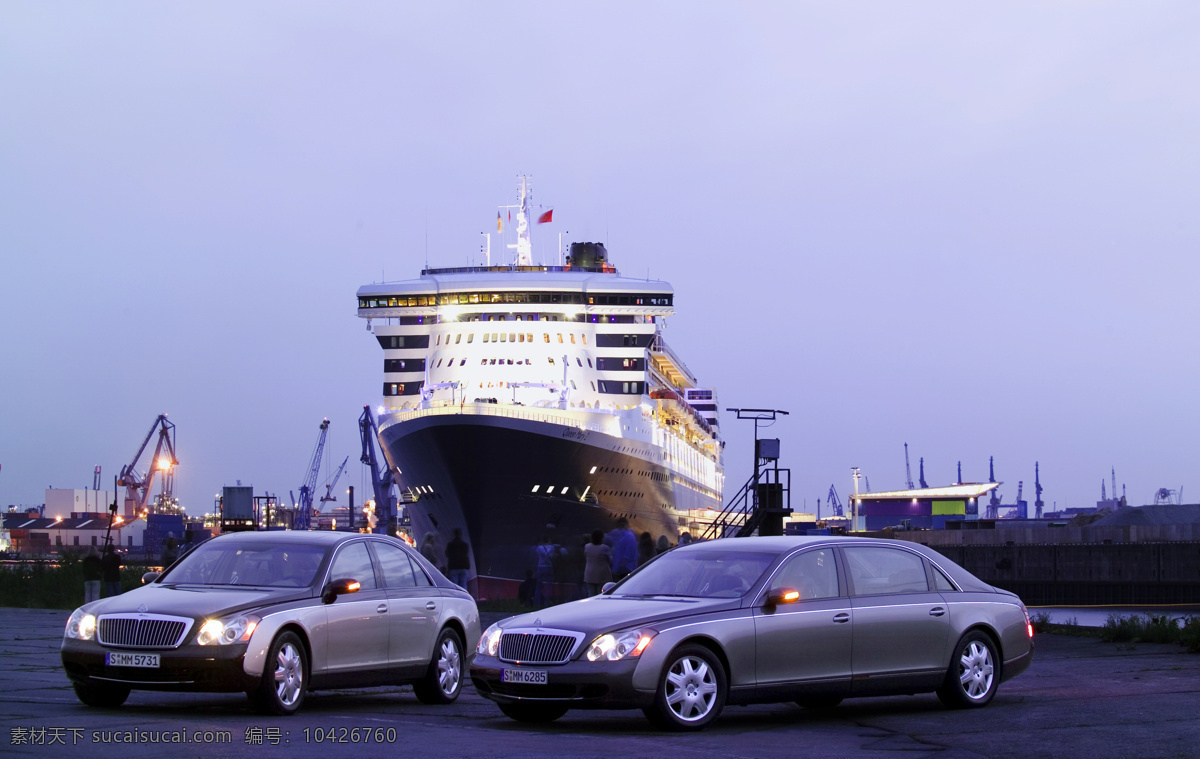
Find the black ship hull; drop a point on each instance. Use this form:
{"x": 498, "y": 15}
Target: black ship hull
{"x": 508, "y": 482}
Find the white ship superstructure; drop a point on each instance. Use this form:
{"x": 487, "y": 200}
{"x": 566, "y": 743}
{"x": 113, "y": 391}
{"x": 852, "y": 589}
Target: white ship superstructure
{"x": 606, "y": 420}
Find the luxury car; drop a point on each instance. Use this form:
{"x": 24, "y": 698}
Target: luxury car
{"x": 276, "y": 614}
{"x": 755, "y": 620}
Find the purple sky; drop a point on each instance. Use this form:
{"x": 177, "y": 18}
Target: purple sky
{"x": 972, "y": 229}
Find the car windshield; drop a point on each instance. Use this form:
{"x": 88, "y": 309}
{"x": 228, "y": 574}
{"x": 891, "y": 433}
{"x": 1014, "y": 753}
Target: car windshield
{"x": 273, "y": 565}
{"x": 697, "y": 574}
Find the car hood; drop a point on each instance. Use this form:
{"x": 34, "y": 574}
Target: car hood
{"x": 602, "y": 614}
{"x": 195, "y": 600}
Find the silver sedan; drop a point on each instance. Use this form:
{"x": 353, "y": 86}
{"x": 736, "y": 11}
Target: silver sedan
{"x": 753, "y": 620}
{"x": 274, "y": 615}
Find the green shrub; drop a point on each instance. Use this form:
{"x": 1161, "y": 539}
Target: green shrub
{"x": 57, "y": 584}
{"x": 1189, "y": 634}
{"x": 1138, "y": 628}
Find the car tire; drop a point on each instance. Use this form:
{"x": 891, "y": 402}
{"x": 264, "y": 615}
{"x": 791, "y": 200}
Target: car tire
{"x": 819, "y": 702}
{"x": 101, "y": 696}
{"x": 537, "y": 713}
{"x": 691, "y": 690}
{"x": 974, "y": 673}
{"x": 285, "y": 677}
{"x": 443, "y": 680}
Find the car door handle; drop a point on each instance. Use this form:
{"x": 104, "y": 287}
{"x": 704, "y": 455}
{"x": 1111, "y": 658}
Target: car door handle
{"x": 937, "y": 611}
{"x": 381, "y": 608}
{"x": 430, "y": 605}
{"x": 840, "y": 618}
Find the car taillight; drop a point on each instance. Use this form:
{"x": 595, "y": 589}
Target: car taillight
{"x": 1028, "y": 624}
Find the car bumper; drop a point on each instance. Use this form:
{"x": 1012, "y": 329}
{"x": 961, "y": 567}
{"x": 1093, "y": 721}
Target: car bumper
{"x": 214, "y": 669}
{"x": 1016, "y": 666}
{"x": 577, "y": 684}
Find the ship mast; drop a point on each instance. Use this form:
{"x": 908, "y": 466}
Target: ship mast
{"x": 524, "y": 248}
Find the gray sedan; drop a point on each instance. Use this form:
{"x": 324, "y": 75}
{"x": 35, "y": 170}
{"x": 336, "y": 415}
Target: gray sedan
{"x": 274, "y": 615}
{"x": 753, "y": 620}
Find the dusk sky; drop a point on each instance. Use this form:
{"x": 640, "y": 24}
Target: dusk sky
{"x": 969, "y": 227}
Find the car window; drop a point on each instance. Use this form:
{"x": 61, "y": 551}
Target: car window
{"x": 941, "y": 581}
{"x": 354, "y": 562}
{"x": 812, "y": 573}
{"x": 876, "y": 570}
{"x": 397, "y": 570}
{"x": 699, "y": 574}
{"x": 419, "y": 574}
{"x": 275, "y": 565}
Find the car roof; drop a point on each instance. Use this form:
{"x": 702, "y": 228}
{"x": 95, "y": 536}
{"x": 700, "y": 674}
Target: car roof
{"x": 312, "y": 537}
{"x": 779, "y": 543}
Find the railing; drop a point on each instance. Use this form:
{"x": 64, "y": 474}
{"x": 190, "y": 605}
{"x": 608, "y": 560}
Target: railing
{"x": 745, "y": 513}
{"x": 603, "y": 269}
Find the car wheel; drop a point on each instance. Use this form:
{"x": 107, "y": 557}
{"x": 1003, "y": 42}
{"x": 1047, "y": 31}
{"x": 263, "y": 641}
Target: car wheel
{"x": 691, "y": 690}
{"x": 444, "y": 679}
{"x": 820, "y": 702}
{"x": 284, "y": 685}
{"x": 102, "y": 696}
{"x": 974, "y": 673}
{"x": 525, "y": 712}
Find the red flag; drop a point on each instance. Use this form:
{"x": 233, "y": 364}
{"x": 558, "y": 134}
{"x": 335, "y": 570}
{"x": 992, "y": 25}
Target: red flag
{"x": 510, "y": 215}
{"x": 547, "y": 217}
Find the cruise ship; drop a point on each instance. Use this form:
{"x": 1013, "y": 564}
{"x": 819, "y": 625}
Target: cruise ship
{"x": 524, "y": 401}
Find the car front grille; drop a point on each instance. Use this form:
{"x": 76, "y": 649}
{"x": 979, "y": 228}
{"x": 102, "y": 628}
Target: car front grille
{"x": 537, "y": 647}
{"x": 142, "y": 630}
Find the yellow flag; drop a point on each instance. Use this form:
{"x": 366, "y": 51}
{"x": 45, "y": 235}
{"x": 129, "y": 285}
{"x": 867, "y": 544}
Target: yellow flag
{"x": 499, "y": 223}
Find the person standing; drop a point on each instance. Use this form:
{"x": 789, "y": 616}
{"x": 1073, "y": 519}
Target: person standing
{"x": 458, "y": 559}
{"x": 92, "y": 574}
{"x": 433, "y": 552}
{"x": 646, "y": 550}
{"x": 598, "y": 567}
{"x": 624, "y": 549}
{"x": 547, "y": 553}
{"x": 170, "y": 552}
{"x": 110, "y": 569}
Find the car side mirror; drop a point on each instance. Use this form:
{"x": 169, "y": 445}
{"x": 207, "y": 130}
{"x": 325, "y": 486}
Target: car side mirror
{"x": 149, "y": 577}
{"x": 608, "y": 586}
{"x": 782, "y": 596}
{"x": 335, "y": 588}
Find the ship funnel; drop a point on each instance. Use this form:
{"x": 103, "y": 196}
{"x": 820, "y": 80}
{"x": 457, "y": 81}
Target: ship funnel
{"x": 587, "y": 255}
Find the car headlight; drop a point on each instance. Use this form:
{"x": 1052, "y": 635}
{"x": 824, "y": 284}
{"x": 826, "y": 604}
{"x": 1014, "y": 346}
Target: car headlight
{"x": 489, "y": 642}
{"x": 222, "y": 632}
{"x": 617, "y": 646}
{"x": 81, "y": 625}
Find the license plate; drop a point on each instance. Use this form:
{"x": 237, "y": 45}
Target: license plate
{"x": 531, "y": 676}
{"x": 114, "y": 659}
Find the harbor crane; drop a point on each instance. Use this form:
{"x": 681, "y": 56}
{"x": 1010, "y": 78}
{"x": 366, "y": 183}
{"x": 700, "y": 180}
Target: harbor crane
{"x": 1037, "y": 489}
{"x": 382, "y": 477}
{"x": 922, "y": 475}
{"x": 329, "y": 486}
{"x": 302, "y": 519}
{"x": 908, "y": 469}
{"x": 835, "y": 502}
{"x": 138, "y": 486}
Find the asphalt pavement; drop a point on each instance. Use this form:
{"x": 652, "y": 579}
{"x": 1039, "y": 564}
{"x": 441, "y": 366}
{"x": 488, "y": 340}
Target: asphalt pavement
{"x": 1081, "y": 697}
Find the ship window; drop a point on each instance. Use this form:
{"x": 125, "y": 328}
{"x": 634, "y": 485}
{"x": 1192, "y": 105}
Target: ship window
{"x": 589, "y": 363}
{"x": 572, "y": 338}
{"x": 512, "y": 337}
{"x": 550, "y": 359}
{"x": 463, "y": 362}
{"x": 593, "y": 386}
{"x": 458, "y": 338}
{"x": 536, "y": 487}
{"x": 560, "y": 337}
{"x": 529, "y": 337}
{"x": 593, "y": 471}
{"x": 564, "y": 491}
{"x": 504, "y": 337}
{"x": 470, "y": 338}
{"x": 546, "y": 336}
{"x": 573, "y": 385}
{"x": 521, "y": 338}
{"x": 494, "y": 340}
{"x": 578, "y": 361}
{"x": 485, "y": 337}
{"x": 439, "y": 363}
